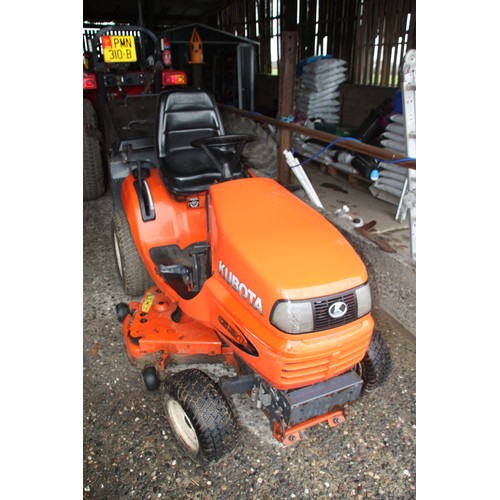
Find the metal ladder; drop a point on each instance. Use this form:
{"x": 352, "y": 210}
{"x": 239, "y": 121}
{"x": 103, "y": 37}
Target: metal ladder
{"x": 408, "y": 200}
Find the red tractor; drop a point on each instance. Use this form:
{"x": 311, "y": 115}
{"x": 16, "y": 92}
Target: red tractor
{"x": 122, "y": 76}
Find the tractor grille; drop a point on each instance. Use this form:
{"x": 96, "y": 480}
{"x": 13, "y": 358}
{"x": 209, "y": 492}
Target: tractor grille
{"x": 323, "y": 320}
{"x": 311, "y": 369}
{"x": 316, "y": 368}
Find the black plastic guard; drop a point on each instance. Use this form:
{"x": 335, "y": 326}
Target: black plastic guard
{"x": 300, "y": 405}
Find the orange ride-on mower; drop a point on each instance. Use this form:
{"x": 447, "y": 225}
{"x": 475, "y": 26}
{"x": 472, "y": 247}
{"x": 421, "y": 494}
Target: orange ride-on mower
{"x": 234, "y": 268}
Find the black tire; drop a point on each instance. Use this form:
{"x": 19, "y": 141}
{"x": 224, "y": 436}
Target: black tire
{"x": 262, "y": 154}
{"x": 94, "y": 178}
{"x": 200, "y": 416}
{"x": 151, "y": 379}
{"x": 376, "y": 365}
{"x": 134, "y": 278}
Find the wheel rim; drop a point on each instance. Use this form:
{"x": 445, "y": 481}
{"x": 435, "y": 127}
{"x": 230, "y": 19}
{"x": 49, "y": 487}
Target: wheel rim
{"x": 118, "y": 254}
{"x": 182, "y": 425}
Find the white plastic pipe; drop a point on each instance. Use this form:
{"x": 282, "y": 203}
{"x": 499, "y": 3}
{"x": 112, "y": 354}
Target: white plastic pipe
{"x": 297, "y": 169}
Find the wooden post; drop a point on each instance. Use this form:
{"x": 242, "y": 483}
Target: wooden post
{"x": 286, "y": 99}
{"x": 289, "y": 15}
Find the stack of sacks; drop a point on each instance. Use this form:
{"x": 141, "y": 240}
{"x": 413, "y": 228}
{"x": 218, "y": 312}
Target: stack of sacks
{"x": 390, "y": 184}
{"x": 393, "y": 137}
{"x": 317, "y": 89}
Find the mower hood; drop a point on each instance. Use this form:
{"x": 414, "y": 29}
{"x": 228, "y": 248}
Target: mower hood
{"x": 268, "y": 245}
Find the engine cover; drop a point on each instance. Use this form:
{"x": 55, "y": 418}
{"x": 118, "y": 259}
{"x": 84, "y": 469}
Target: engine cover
{"x": 267, "y": 245}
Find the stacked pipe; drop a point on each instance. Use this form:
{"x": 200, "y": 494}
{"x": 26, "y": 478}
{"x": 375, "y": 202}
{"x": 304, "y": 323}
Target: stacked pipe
{"x": 332, "y": 158}
{"x": 391, "y": 181}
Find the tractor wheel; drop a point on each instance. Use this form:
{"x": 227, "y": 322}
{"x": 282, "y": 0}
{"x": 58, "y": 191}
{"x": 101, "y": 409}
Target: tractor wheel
{"x": 200, "y": 416}
{"x": 94, "y": 179}
{"x": 376, "y": 364}
{"x": 133, "y": 275}
{"x": 262, "y": 154}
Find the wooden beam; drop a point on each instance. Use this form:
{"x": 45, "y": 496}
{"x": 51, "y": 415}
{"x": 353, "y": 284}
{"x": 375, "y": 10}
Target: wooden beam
{"x": 357, "y": 147}
{"x": 286, "y": 102}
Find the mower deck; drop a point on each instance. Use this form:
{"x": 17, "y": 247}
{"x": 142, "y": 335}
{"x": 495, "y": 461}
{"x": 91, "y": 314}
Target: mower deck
{"x": 156, "y": 329}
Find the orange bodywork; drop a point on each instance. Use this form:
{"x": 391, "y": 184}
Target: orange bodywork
{"x": 175, "y": 223}
{"x": 266, "y": 245}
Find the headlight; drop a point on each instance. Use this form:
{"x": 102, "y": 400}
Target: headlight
{"x": 293, "y": 317}
{"x": 321, "y": 313}
{"x": 364, "y": 300}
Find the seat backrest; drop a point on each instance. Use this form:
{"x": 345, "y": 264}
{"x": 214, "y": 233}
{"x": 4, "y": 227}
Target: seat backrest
{"x": 184, "y": 116}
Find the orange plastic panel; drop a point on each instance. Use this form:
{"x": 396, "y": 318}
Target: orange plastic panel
{"x": 176, "y": 222}
{"x": 277, "y": 245}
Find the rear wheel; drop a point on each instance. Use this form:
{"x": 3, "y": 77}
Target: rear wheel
{"x": 94, "y": 179}
{"x": 200, "y": 416}
{"x": 376, "y": 364}
{"x": 133, "y": 275}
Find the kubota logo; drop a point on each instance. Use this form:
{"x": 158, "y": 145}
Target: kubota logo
{"x": 337, "y": 309}
{"x": 240, "y": 287}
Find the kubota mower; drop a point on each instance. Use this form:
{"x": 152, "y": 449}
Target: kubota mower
{"x": 235, "y": 268}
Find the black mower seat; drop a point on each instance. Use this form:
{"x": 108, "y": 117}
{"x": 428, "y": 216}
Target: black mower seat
{"x": 184, "y": 116}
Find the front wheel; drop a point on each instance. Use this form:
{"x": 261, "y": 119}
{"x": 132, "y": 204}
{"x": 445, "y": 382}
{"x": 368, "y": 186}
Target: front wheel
{"x": 200, "y": 416}
{"x": 376, "y": 364}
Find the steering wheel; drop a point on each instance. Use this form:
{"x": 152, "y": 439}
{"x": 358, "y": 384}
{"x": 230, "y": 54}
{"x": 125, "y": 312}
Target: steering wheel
{"x": 218, "y": 141}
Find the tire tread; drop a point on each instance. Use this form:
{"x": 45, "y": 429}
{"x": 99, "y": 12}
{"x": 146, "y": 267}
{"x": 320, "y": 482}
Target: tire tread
{"x": 209, "y": 411}
{"x": 376, "y": 364}
{"x": 134, "y": 278}
{"x": 94, "y": 179}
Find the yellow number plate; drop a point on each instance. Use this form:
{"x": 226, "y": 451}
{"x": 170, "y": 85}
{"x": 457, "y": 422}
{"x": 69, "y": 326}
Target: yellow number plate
{"x": 118, "y": 49}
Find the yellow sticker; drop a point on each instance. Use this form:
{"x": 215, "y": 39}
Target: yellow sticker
{"x": 148, "y": 302}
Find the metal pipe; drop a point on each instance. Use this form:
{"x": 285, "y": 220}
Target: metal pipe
{"x": 359, "y": 147}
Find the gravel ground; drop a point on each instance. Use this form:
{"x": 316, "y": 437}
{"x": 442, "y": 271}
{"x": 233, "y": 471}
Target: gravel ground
{"x": 130, "y": 452}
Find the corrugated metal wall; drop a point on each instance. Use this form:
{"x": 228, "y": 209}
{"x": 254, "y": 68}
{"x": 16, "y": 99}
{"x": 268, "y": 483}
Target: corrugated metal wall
{"x": 371, "y": 35}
